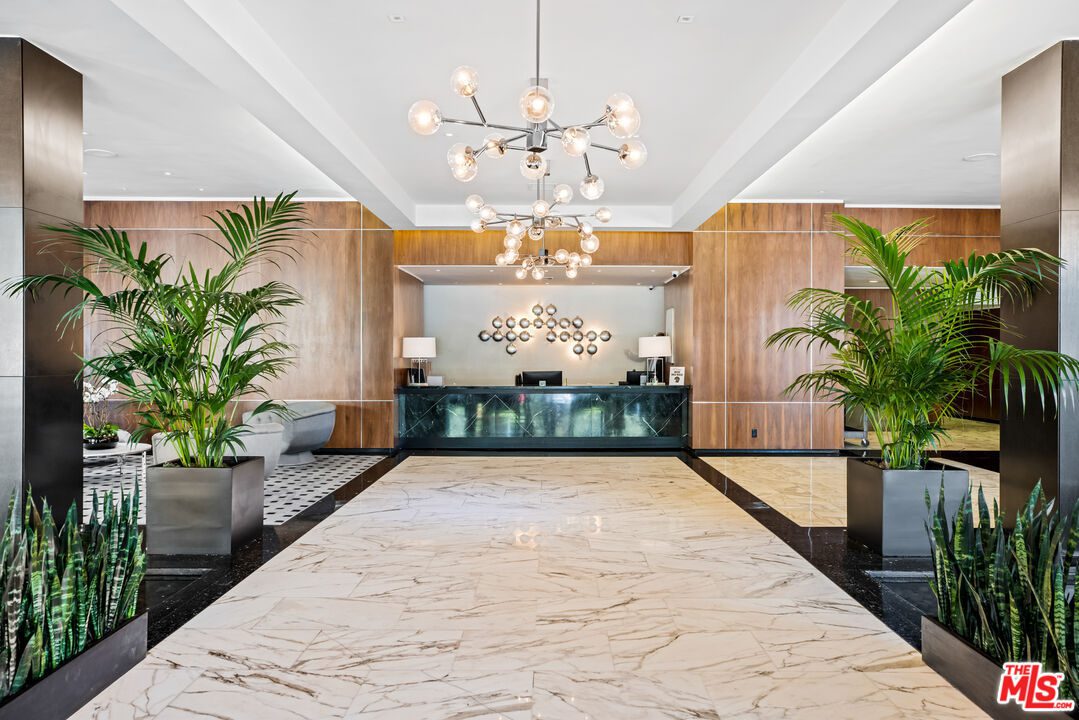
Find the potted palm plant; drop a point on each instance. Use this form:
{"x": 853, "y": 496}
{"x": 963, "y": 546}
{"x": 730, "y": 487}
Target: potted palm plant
{"x": 909, "y": 369}
{"x": 183, "y": 347}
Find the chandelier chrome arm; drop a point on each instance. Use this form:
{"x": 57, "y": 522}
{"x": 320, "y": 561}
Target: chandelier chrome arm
{"x": 474, "y": 123}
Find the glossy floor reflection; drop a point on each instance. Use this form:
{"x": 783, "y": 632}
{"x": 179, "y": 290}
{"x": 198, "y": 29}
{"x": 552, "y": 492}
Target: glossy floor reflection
{"x": 963, "y": 434}
{"x": 535, "y": 587}
{"x": 812, "y": 491}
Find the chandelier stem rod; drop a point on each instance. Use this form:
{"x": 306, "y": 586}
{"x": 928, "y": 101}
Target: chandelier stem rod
{"x": 476, "y": 104}
{"x": 587, "y": 165}
{"x": 475, "y": 123}
{"x": 537, "y": 41}
{"x": 605, "y": 147}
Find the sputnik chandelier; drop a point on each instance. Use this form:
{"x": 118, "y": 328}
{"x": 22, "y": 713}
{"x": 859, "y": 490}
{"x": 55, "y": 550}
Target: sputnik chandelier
{"x": 536, "y": 104}
{"x": 535, "y": 225}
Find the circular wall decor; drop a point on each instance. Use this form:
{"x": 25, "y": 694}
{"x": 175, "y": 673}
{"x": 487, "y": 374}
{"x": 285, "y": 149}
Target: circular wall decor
{"x": 496, "y": 322}
{"x": 551, "y": 309}
{"x": 511, "y": 349}
{"x": 578, "y": 322}
{"x": 484, "y": 335}
{"x": 563, "y": 336}
{"x": 551, "y": 322}
{"x": 591, "y": 335}
{"x": 511, "y": 322}
{"x": 524, "y": 322}
{"x": 525, "y": 336}
{"x": 551, "y": 337}
{"x": 497, "y": 337}
{"x": 563, "y": 323}
{"x": 578, "y": 349}
{"x": 605, "y": 335}
{"x": 578, "y": 335}
{"x": 592, "y": 349}
{"x": 511, "y": 336}
{"x": 537, "y": 309}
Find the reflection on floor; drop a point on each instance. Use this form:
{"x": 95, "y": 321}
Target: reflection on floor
{"x": 288, "y": 491}
{"x": 962, "y": 435}
{"x": 812, "y": 491}
{"x": 534, "y": 587}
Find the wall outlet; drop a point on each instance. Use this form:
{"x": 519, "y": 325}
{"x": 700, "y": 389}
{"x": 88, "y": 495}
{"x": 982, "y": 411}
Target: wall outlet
{"x": 753, "y": 432}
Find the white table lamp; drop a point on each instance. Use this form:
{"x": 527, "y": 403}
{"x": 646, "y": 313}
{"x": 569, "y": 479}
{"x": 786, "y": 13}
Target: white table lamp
{"x": 652, "y": 347}
{"x": 420, "y": 350}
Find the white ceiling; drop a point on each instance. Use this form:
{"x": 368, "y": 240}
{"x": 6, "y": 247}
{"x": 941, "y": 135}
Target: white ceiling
{"x": 646, "y": 276}
{"x": 157, "y": 113}
{"x": 238, "y": 97}
{"x": 902, "y": 142}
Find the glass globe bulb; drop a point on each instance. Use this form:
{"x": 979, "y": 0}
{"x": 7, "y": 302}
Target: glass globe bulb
{"x": 574, "y": 258}
{"x": 465, "y": 173}
{"x": 619, "y": 102}
{"x": 521, "y": 273}
{"x": 589, "y": 244}
{"x": 459, "y": 155}
{"x": 584, "y": 228}
{"x": 464, "y": 81}
{"x": 424, "y": 117}
{"x": 603, "y": 214}
{"x": 571, "y": 272}
{"x": 537, "y": 273}
{"x": 515, "y": 228}
{"x": 540, "y": 208}
{"x": 511, "y": 256}
{"x": 500, "y": 260}
{"x": 561, "y": 255}
{"x": 624, "y": 124}
{"x": 563, "y": 193}
{"x": 512, "y": 242}
{"x": 533, "y": 166}
{"x": 586, "y": 261}
{"x": 632, "y": 154}
{"x": 536, "y": 104}
{"x": 488, "y": 213}
{"x": 535, "y": 233}
{"x": 478, "y": 225}
{"x": 474, "y": 203}
{"x": 592, "y": 187}
{"x": 576, "y": 141}
{"x": 494, "y": 146}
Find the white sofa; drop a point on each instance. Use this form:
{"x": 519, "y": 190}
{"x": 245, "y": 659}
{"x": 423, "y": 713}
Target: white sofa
{"x": 308, "y": 425}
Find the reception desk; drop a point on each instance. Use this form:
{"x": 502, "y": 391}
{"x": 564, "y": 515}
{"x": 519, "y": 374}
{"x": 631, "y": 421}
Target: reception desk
{"x": 540, "y": 418}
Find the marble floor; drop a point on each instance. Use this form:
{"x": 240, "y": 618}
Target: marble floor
{"x": 812, "y": 491}
{"x": 534, "y": 587}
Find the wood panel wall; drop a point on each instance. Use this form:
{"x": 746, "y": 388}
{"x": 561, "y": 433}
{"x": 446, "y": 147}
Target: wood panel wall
{"x": 344, "y": 333}
{"x": 464, "y": 247}
{"x": 746, "y": 261}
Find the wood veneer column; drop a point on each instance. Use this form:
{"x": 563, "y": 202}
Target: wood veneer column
{"x": 40, "y": 183}
{"x": 1040, "y": 208}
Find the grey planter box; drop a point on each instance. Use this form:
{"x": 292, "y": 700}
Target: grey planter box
{"x": 972, "y": 672}
{"x": 67, "y": 688}
{"x": 886, "y": 508}
{"x": 203, "y": 511}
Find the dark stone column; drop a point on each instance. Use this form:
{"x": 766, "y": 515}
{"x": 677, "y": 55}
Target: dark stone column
{"x": 1039, "y": 207}
{"x": 40, "y": 183}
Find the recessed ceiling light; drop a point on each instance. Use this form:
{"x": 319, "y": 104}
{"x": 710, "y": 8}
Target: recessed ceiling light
{"x": 397, "y": 18}
{"x": 168, "y": 173}
{"x": 99, "y": 152}
{"x": 438, "y": 269}
{"x": 980, "y": 157}
{"x": 449, "y": 134}
{"x": 85, "y": 133}
{"x": 685, "y": 19}
{"x": 202, "y": 189}
{"x": 84, "y": 172}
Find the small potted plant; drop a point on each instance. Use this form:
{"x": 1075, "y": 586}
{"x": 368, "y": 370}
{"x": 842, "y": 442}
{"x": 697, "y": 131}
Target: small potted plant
{"x": 97, "y": 432}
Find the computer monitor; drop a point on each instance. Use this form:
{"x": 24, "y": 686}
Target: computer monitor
{"x": 541, "y": 377}
{"x": 633, "y": 377}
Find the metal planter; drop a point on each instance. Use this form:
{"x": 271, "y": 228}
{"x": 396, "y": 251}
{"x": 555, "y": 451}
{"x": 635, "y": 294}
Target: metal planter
{"x": 972, "y": 672}
{"x": 886, "y": 508}
{"x": 67, "y": 688}
{"x": 203, "y": 511}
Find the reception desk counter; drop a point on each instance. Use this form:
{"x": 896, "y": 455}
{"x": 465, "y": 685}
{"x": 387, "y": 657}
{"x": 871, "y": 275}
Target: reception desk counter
{"x": 540, "y": 418}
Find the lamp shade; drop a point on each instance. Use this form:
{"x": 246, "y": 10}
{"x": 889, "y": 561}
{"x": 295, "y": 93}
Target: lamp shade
{"x": 418, "y": 347}
{"x": 654, "y": 346}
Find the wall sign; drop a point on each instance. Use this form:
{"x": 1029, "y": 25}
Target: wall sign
{"x": 559, "y": 329}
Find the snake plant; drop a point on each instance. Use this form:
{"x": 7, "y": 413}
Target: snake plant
{"x": 1010, "y": 594}
{"x": 65, "y": 588}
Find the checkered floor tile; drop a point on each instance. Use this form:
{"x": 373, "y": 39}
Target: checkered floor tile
{"x": 288, "y": 492}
